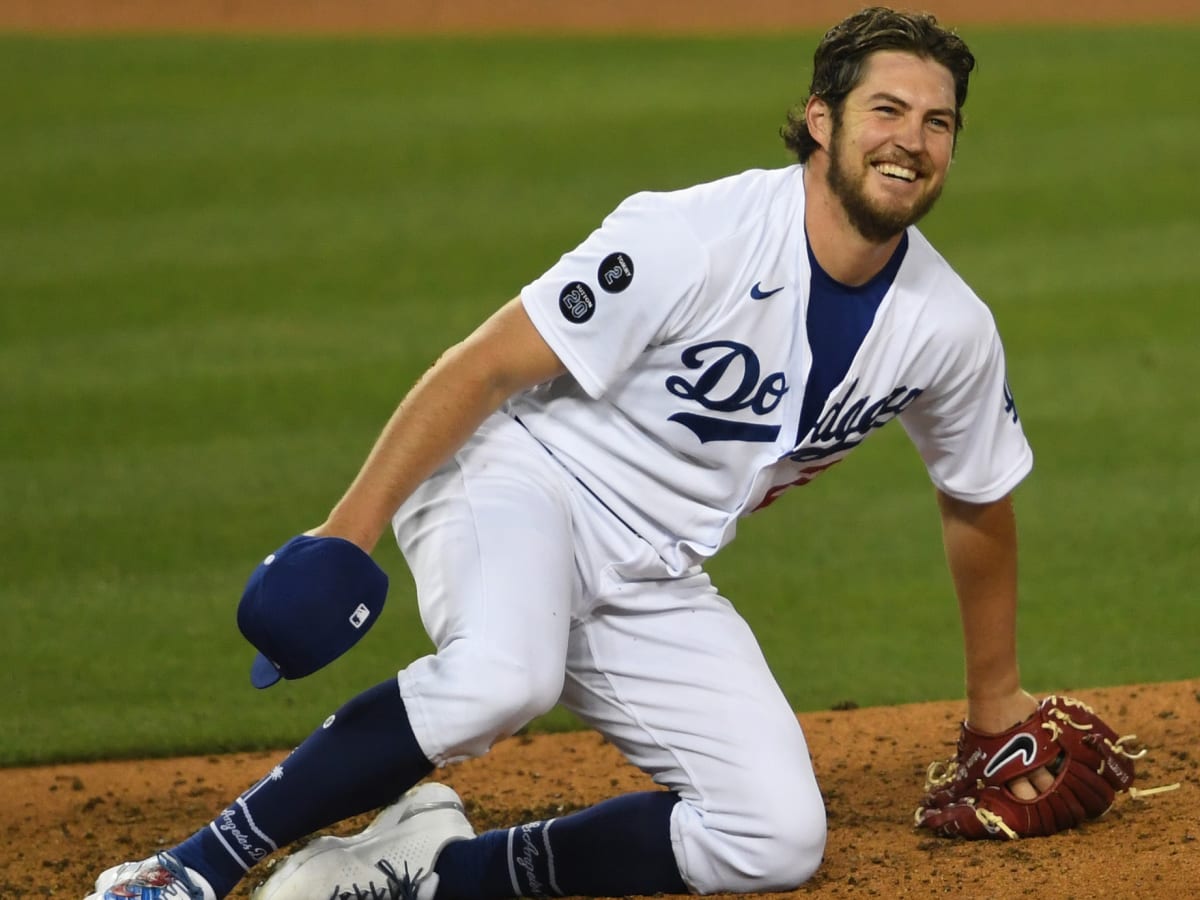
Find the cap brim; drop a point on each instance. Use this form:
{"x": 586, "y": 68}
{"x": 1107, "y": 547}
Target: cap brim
{"x": 263, "y": 673}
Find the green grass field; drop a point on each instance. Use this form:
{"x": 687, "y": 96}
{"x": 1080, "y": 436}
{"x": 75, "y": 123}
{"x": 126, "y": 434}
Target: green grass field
{"x": 223, "y": 261}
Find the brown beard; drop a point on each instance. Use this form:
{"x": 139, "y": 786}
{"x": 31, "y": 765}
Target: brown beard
{"x": 873, "y": 223}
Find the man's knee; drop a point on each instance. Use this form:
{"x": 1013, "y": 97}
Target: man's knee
{"x": 796, "y": 856}
{"x": 775, "y": 844}
{"x": 780, "y": 860}
{"x": 468, "y": 697}
{"x": 516, "y": 692}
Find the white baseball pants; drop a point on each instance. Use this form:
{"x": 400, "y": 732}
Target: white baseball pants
{"x": 534, "y": 593}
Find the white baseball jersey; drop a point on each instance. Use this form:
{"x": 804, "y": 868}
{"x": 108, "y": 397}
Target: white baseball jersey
{"x": 712, "y": 363}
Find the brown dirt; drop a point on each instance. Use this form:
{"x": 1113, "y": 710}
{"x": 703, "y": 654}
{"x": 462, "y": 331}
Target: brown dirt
{"x": 545, "y": 15}
{"x": 64, "y": 824}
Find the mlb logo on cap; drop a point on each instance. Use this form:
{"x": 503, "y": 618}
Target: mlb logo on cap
{"x": 308, "y": 603}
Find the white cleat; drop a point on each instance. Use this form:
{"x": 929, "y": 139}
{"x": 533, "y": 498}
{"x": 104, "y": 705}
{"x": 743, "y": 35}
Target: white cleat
{"x": 160, "y": 877}
{"x": 391, "y": 859}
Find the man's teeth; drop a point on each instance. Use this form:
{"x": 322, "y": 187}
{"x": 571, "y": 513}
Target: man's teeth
{"x": 896, "y": 171}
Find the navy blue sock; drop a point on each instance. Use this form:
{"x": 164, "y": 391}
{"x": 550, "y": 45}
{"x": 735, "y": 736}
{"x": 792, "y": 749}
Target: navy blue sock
{"x": 617, "y": 848}
{"x": 363, "y": 757}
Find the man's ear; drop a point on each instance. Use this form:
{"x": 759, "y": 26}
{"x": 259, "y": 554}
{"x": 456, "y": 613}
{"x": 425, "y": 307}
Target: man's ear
{"x": 818, "y": 116}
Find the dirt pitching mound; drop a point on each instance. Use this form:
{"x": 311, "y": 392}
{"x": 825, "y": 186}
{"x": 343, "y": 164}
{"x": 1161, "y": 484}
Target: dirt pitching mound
{"x": 63, "y": 825}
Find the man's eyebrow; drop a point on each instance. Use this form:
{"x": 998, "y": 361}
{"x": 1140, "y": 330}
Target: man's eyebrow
{"x": 904, "y": 104}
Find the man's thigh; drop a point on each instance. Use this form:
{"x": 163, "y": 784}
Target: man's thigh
{"x": 675, "y": 678}
{"x": 672, "y": 675}
{"x": 487, "y": 539}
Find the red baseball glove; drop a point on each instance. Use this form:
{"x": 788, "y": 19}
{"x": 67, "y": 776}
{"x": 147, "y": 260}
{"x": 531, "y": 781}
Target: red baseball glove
{"x": 967, "y": 795}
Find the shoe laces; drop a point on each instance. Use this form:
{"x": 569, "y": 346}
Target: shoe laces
{"x": 165, "y": 879}
{"x": 395, "y": 886}
{"x": 179, "y": 873}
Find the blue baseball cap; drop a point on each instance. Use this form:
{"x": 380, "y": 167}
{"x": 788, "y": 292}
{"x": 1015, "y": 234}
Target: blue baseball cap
{"x": 308, "y": 603}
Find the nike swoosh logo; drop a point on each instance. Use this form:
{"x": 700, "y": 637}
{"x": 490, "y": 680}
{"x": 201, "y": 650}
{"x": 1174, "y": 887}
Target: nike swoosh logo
{"x": 1022, "y": 745}
{"x": 758, "y": 293}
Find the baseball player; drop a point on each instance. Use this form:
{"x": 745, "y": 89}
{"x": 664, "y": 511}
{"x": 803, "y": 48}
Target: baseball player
{"x": 557, "y": 481}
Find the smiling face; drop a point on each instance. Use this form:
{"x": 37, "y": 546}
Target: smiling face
{"x": 890, "y": 145}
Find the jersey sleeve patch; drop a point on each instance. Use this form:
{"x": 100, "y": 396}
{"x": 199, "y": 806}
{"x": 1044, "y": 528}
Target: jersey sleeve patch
{"x": 603, "y": 303}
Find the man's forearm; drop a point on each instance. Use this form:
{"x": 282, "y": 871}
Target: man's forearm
{"x": 981, "y": 552}
{"x": 467, "y": 384}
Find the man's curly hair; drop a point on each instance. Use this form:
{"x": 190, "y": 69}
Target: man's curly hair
{"x": 839, "y": 60}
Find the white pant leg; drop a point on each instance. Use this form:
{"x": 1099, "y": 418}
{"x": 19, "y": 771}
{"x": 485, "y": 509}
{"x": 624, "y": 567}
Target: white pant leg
{"x": 488, "y": 541}
{"x": 673, "y": 676}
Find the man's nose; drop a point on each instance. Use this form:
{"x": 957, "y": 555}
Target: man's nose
{"x": 911, "y": 134}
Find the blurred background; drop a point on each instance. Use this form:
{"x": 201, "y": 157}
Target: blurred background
{"x": 233, "y": 234}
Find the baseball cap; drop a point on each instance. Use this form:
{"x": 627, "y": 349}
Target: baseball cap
{"x": 308, "y": 603}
